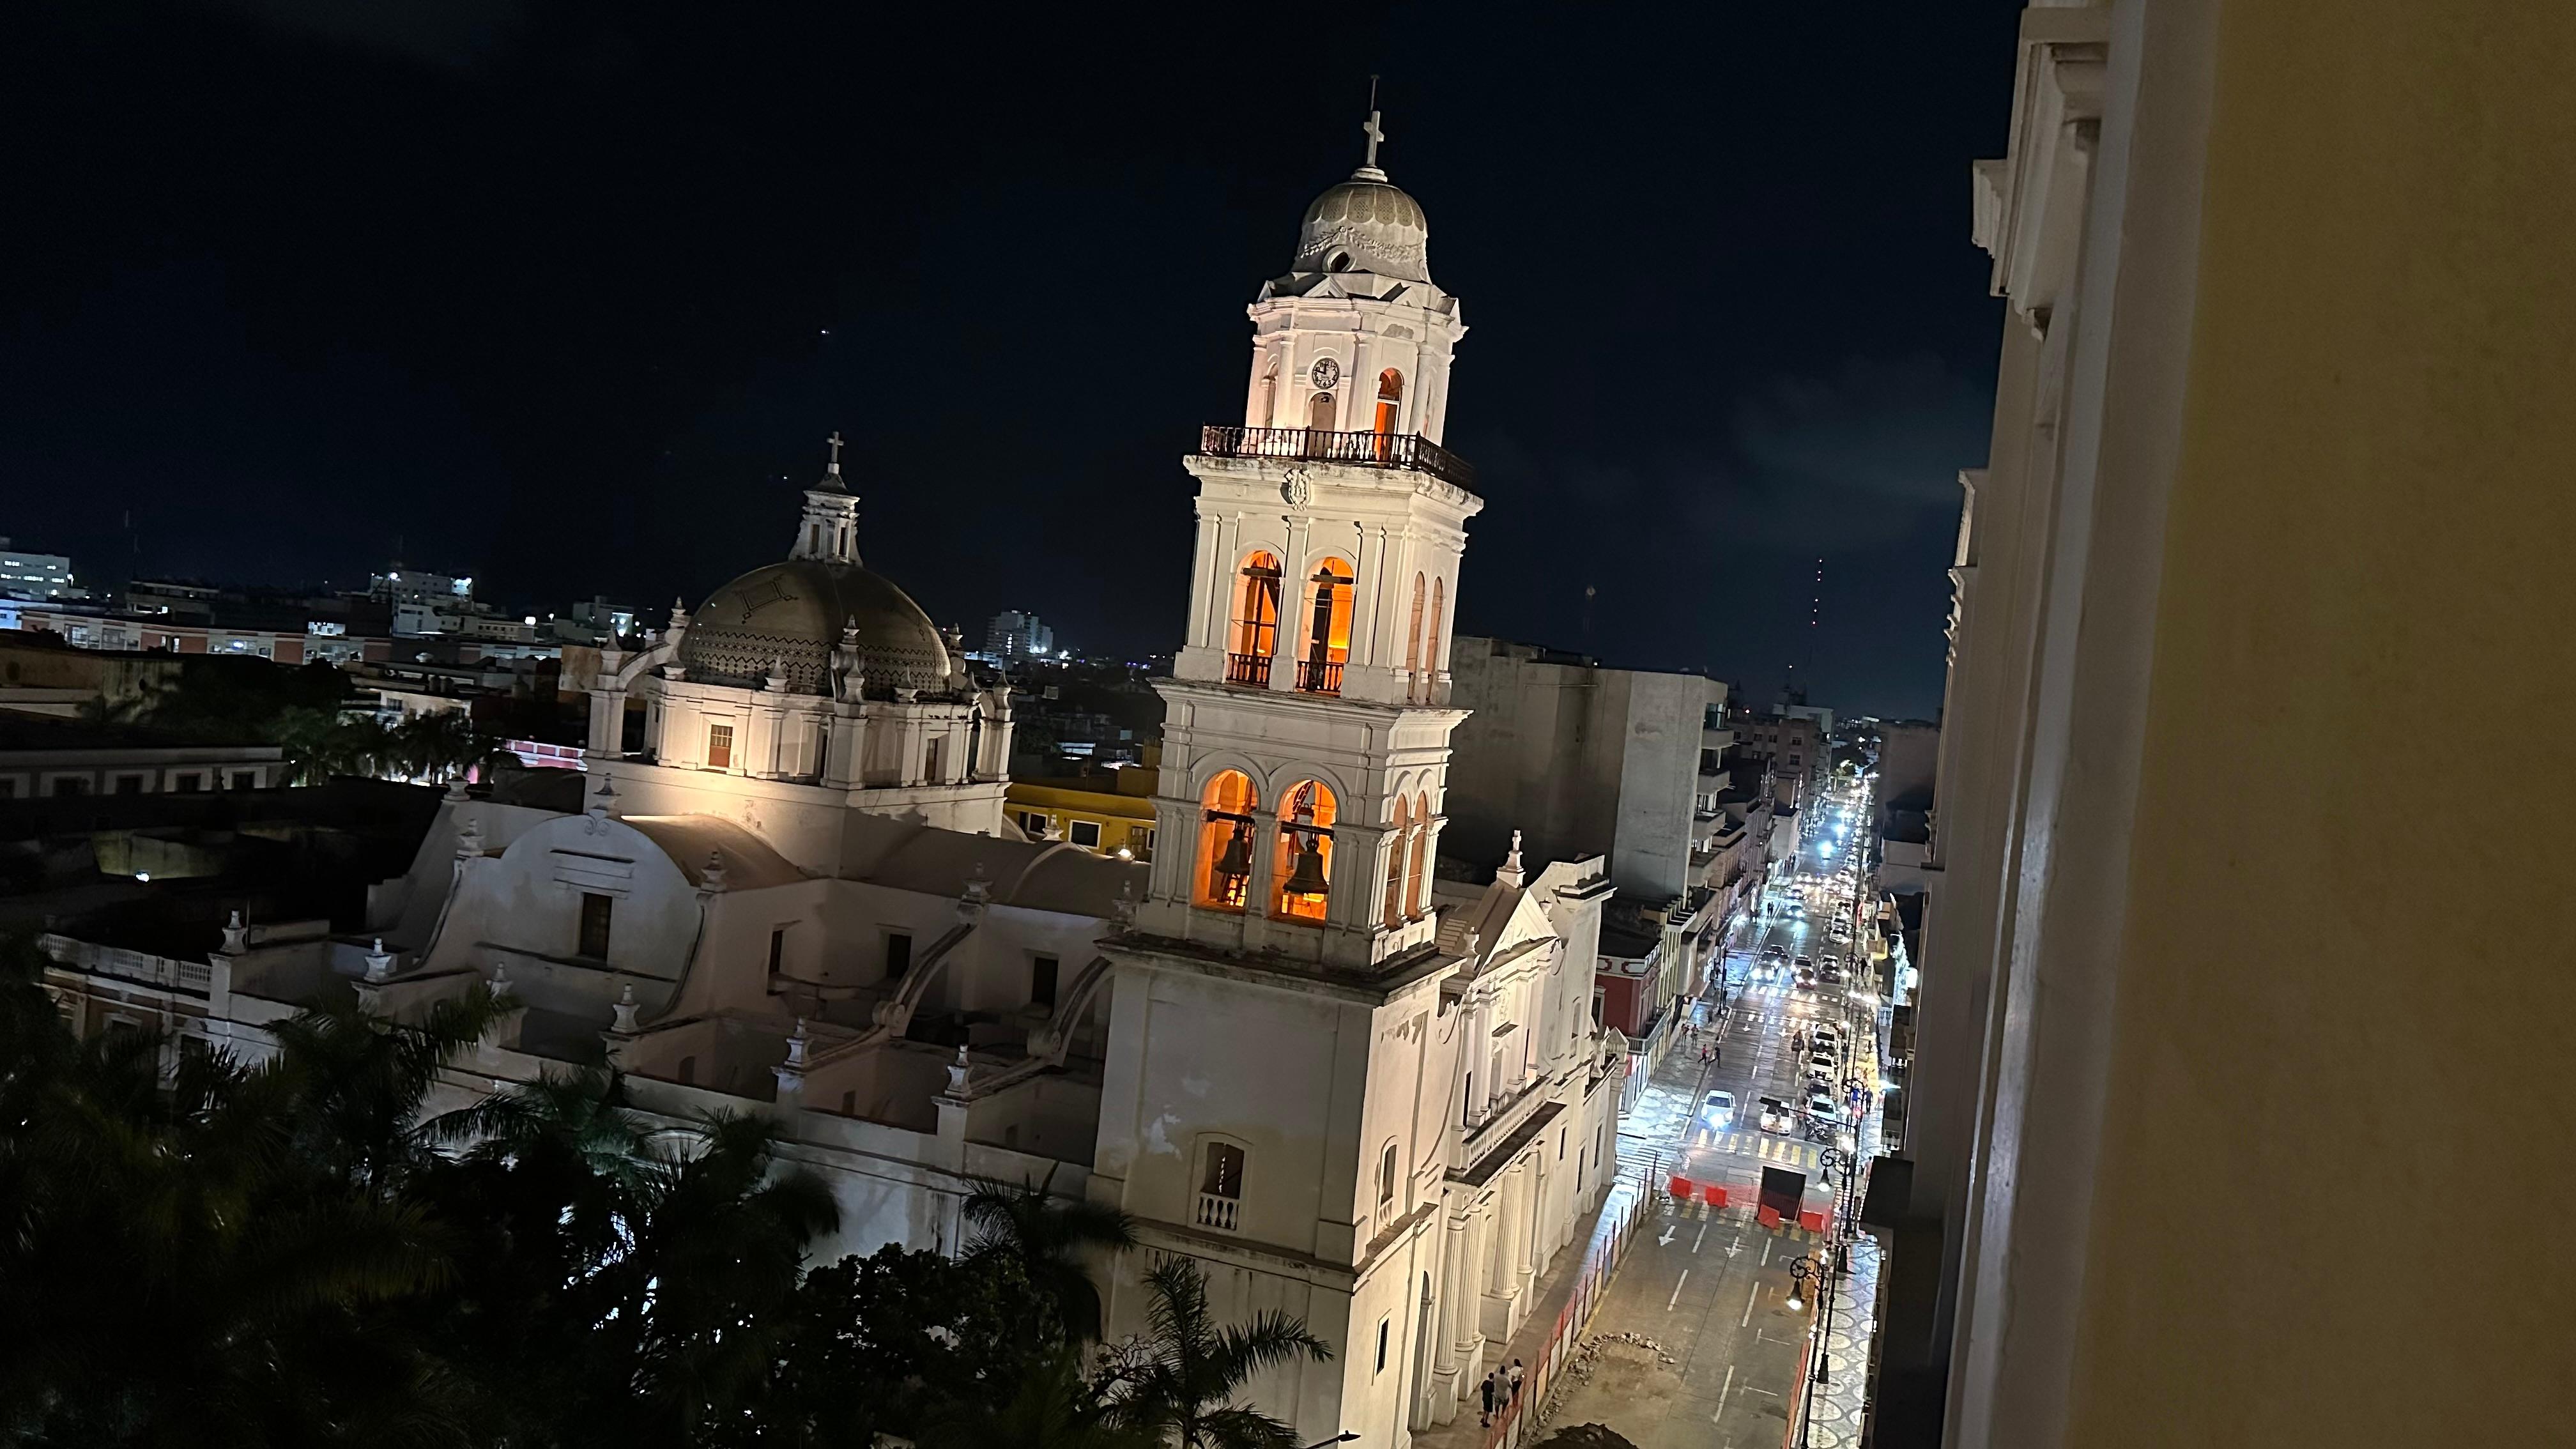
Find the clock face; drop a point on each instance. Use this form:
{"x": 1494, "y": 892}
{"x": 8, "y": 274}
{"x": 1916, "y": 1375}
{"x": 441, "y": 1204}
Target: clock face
{"x": 1296, "y": 487}
{"x": 1327, "y": 373}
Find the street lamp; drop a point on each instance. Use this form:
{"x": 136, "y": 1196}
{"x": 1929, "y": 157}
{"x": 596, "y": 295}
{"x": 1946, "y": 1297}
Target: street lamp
{"x": 1802, "y": 1270}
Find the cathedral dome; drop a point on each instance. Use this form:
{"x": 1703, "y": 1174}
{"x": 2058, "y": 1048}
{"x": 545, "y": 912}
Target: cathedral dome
{"x": 1366, "y": 224}
{"x": 792, "y": 614}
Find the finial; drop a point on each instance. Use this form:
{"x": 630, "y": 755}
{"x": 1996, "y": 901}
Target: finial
{"x": 624, "y": 1010}
{"x": 835, "y": 441}
{"x": 1375, "y": 133}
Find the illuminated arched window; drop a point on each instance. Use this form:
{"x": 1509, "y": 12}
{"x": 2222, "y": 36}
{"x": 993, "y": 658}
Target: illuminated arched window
{"x": 1328, "y": 628}
{"x": 1256, "y": 621}
{"x": 1303, "y": 869}
{"x": 1413, "y": 867}
{"x": 1397, "y": 842}
{"x": 1224, "y": 870}
{"x": 1321, "y": 413}
{"x": 1390, "y": 399}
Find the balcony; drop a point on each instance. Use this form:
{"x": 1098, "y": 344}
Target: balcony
{"x": 1314, "y": 445}
{"x": 1251, "y": 669}
{"x": 1319, "y": 676}
{"x": 1218, "y": 1211}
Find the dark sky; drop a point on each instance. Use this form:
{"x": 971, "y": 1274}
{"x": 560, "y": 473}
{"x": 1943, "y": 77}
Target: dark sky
{"x": 566, "y": 295}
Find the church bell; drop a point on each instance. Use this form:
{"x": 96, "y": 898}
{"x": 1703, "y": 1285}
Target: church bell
{"x": 1306, "y": 878}
{"x": 1234, "y": 863}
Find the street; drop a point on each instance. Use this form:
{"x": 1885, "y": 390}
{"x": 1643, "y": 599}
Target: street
{"x": 1710, "y": 1288}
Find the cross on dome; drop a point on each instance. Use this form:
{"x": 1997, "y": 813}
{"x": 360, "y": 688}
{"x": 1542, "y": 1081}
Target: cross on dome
{"x": 1376, "y": 134}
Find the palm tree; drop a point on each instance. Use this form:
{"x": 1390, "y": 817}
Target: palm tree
{"x": 361, "y": 1080}
{"x": 1177, "y": 1383}
{"x": 1048, "y": 1236}
{"x": 1053, "y": 1405}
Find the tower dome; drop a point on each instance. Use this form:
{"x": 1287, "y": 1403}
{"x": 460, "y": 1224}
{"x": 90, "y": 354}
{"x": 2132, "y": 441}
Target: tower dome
{"x": 1366, "y": 224}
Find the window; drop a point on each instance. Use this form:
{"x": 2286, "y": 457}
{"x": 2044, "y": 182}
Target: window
{"x": 1328, "y": 628}
{"x": 1321, "y": 412}
{"x": 1467, "y": 1109}
{"x": 1085, "y": 833}
{"x": 1390, "y": 399}
{"x": 1560, "y": 1144}
{"x": 720, "y": 747}
{"x": 930, "y": 762}
{"x": 1386, "y": 1169}
{"x": 1042, "y": 981}
{"x": 1140, "y": 839}
{"x": 898, "y": 954}
{"x": 1431, "y": 641}
{"x": 1413, "y": 868}
{"x": 1224, "y": 870}
{"x": 245, "y": 780}
{"x": 1256, "y": 622}
{"x": 1035, "y": 824}
{"x": 595, "y": 909}
{"x": 1221, "y": 1187}
{"x": 1304, "y": 865}
{"x": 777, "y": 949}
{"x": 1413, "y": 634}
{"x": 1395, "y": 851}
{"x": 129, "y": 784}
{"x": 1381, "y": 1345}
{"x": 188, "y": 782}
{"x": 68, "y": 785}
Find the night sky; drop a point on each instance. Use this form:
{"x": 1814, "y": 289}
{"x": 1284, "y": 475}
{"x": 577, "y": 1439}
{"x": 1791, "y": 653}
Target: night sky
{"x": 566, "y": 296}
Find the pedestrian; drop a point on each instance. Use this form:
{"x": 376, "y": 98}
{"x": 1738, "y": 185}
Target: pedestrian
{"x": 1489, "y": 1391}
{"x": 1516, "y": 1381}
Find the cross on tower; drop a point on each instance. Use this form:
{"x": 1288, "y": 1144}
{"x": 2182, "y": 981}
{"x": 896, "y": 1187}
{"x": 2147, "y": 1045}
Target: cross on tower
{"x": 835, "y": 441}
{"x": 1372, "y": 130}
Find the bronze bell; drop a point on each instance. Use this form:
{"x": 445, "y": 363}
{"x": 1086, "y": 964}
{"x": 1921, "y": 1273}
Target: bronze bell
{"x": 1235, "y": 861}
{"x": 1306, "y": 878}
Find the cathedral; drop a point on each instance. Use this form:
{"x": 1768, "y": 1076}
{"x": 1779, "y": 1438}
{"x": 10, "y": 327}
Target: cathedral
{"x": 1350, "y": 1084}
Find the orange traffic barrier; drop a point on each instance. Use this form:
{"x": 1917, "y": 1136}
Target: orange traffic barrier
{"x": 1715, "y": 1194}
{"x": 1768, "y": 1217}
{"x": 1681, "y": 1187}
{"x": 1812, "y": 1219}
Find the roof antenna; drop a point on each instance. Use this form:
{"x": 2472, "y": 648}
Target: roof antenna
{"x": 1376, "y": 134}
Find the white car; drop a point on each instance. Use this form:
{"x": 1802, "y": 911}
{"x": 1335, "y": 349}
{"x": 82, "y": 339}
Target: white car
{"x": 1776, "y": 1116}
{"x": 1719, "y": 1109}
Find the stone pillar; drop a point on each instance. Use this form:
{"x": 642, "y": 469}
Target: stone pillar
{"x": 1451, "y": 1340}
{"x": 1498, "y": 1307}
{"x": 1295, "y": 612}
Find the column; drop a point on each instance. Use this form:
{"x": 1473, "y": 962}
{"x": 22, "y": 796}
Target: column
{"x": 1449, "y": 1338}
{"x": 1295, "y": 612}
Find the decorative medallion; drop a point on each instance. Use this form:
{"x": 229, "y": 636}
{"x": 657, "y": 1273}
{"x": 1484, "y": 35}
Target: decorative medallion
{"x": 1327, "y": 373}
{"x": 1296, "y": 487}
{"x": 761, "y": 595}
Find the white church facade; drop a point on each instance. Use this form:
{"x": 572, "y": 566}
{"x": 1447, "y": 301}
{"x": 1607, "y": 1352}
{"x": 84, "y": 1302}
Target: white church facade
{"x": 1345, "y": 1084}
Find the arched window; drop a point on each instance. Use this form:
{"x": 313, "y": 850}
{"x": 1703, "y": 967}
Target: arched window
{"x": 1321, "y": 412}
{"x": 1413, "y": 634}
{"x": 1431, "y": 643}
{"x": 1413, "y": 867}
{"x": 1390, "y": 399}
{"x": 1256, "y": 621}
{"x": 1303, "y": 867}
{"x": 1224, "y": 870}
{"x": 1397, "y": 842}
{"x": 1221, "y": 1186}
{"x": 1328, "y": 629}
{"x": 1269, "y": 402}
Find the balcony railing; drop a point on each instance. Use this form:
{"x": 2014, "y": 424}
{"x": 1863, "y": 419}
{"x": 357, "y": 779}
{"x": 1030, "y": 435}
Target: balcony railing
{"x": 1315, "y": 445}
{"x": 1319, "y": 676}
{"x": 1252, "y": 669}
{"x": 1218, "y": 1212}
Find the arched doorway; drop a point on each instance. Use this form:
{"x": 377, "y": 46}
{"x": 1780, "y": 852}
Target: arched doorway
{"x": 1256, "y": 621}
{"x": 1322, "y": 412}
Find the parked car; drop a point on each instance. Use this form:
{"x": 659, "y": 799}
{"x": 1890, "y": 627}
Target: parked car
{"x": 1719, "y": 1109}
{"x": 1776, "y": 1116}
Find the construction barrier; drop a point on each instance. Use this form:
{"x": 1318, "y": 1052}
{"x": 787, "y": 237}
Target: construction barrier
{"x": 1515, "y": 1423}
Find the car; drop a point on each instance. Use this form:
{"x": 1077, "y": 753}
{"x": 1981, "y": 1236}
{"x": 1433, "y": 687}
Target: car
{"x": 1775, "y": 952}
{"x": 1719, "y": 1109}
{"x": 1805, "y": 963}
{"x": 1820, "y": 1108}
{"x": 1824, "y": 1062}
{"x": 1776, "y": 1116}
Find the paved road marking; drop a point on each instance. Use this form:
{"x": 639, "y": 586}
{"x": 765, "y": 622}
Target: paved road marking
{"x": 1747, "y": 1320}
{"x": 1677, "y": 1290}
{"x": 1735, "y": 1247}
{"x": 1666, "y": 1240}
{"x": 1766, "y": 1252}
{"x": 1702, "y": 1238}
{"x": 1722, "y": 1393}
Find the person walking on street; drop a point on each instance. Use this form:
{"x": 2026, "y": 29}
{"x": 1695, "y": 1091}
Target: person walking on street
{"x": 1516, "y": 1381}
{"x": 1488, "y": 1389}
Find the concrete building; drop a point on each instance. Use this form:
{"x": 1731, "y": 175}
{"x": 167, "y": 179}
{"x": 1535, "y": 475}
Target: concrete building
{"x": 61, "y": 758}
{"x": 1013, "y": 634}
{"x": 1791, "y": 745}
{"x": 2278, "y": 471}
{"x": 36, "y": 576}
{"x": 1110, "y": 812}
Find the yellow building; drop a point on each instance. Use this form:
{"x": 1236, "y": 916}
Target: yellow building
{"x": 2235, "y": 1120}
{"x": 1111, "y": 813}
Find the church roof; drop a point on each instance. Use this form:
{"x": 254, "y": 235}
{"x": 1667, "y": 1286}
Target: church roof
{"x": 692, "y": 840}
{"x": 1037, "y": 875}
{"x": 1365, "y": 224}
{"x": 790, "y": 615}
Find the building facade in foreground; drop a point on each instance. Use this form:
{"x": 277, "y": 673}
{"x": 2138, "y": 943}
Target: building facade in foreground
{"x": 1347, "y": 1088}
{"x": 2280, "y": 466}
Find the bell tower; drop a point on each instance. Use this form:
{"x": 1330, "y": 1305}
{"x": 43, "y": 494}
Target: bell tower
{"x": 1306, "y": 731}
